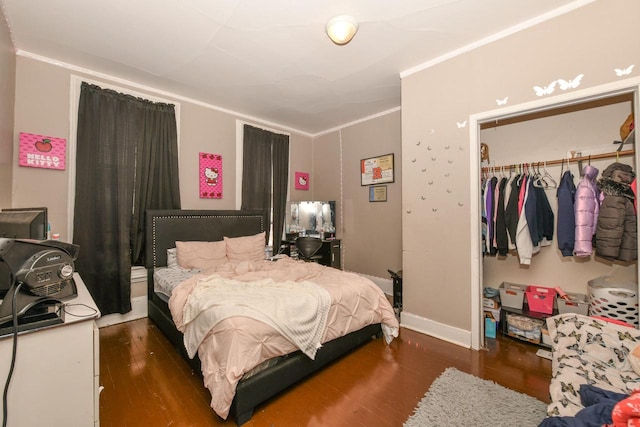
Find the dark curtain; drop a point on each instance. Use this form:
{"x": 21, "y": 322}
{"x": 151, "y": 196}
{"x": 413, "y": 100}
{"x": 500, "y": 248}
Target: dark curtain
{"x": 126, "y": 162}
{"x": 265, "y": 174}
{"x": 280, "y": 152}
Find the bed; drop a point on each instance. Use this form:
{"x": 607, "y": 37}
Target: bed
{"x": 249, "y": 385}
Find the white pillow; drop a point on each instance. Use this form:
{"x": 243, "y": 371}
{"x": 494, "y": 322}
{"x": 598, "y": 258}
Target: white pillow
{"x": 172, "y": 258}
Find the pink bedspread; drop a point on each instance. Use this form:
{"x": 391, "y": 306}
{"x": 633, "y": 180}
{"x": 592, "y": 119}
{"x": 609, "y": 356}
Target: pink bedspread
{"x": 236, "y": 345}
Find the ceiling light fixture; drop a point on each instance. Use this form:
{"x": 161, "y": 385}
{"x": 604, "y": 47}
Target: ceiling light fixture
{"x": 341, "y": 29}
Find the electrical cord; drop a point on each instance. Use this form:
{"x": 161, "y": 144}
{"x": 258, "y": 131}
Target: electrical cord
{"x": 13, "y": 355}
{"x": 92, "y": 312}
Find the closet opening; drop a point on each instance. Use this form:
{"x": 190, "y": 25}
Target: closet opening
{"x": 545, "y": 138}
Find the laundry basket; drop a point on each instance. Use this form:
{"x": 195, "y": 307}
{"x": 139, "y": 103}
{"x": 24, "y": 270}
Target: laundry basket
{"x": 615, "y": 299}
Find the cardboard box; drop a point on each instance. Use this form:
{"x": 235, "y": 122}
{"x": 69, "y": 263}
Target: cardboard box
{"x": 490, "y": 303}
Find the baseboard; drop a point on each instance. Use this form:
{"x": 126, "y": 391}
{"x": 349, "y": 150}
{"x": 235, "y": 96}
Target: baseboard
{"x": 138, "y": 311}
{"x": 438, "y": 330}
{"x": 385, "y": 284}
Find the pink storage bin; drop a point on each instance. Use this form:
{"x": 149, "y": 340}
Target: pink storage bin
{"x": 540, "y": 299}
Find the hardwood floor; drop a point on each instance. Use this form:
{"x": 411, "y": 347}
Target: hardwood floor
{"x": 146, "y": 382}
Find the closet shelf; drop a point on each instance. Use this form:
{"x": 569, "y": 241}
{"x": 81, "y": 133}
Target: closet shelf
{"x": 613, "y": 154}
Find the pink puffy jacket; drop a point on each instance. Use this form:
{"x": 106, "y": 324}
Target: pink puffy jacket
{"x": 587, "y": 207}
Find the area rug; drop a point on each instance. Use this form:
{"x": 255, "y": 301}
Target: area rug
{"x": 459, "y": 399}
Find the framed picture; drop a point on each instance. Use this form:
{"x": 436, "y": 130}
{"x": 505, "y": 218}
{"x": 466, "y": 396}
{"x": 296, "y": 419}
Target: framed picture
{"x": 378, "y": 193}
{"x": 376, "y": 170}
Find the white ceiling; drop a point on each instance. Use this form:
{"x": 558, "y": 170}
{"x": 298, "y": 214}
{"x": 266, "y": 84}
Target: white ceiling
{"x": 266, "y": 59}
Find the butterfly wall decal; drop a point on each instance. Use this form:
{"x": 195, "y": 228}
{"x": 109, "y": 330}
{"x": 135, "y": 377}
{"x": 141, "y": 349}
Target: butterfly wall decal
{"x": 624, "y": 71}
{"x": 571, "y": 84}
{"x": 546, "y": 90}
{"x": 461, "y": 124}
{"x": 502, "y": 101}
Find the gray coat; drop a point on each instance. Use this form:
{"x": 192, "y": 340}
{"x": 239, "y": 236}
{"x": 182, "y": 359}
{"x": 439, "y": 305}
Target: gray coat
{"x": 616, "y": 230}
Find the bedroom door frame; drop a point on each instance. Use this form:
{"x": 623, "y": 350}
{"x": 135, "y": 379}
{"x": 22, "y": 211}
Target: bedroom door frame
{"x": 626, "y": 86}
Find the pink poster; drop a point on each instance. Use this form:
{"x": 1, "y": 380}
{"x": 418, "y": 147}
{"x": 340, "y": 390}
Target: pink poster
{"x": 39, "y": 151}
{"x": 302, "y": 181}
{"x": 210, "y": 176}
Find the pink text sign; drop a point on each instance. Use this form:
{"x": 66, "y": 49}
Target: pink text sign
{"x": 40, "y": 151}
{"x": 210, "y": 176}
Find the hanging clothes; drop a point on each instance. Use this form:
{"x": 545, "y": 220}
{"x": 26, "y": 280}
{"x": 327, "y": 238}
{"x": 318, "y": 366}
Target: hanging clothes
{"x": 502, "y": 240}
{"x": 484, "y": 215}
{"x": 566, "y": 229}
{"x": 511, "y": 215}
{"x": 616, "y": 230}
{"x": 634, "y": 188}
{"x": 511, "y": 242}
{"x": 587, "y": 208}
{"x": 490, "y": 210}
{"x": 530, "y": 207}
{"x": 545, "y": 217}
{"x": 524, "y": 244}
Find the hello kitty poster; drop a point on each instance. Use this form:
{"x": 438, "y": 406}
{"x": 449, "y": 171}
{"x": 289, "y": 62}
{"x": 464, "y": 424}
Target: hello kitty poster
{"x": 210, "y": 176}
{"x": 302, "y": 181}
{"x": 40, "y": 151}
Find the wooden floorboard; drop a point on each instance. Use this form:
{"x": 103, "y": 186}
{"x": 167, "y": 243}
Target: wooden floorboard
{"x": 146, "y": 382}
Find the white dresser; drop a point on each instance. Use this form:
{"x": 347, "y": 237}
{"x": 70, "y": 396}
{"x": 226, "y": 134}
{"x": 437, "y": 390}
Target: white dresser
{"x": 56, "y": 378}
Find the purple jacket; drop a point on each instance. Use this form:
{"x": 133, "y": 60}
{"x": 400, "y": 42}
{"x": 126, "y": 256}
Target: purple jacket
{"x": 587, "y": 207}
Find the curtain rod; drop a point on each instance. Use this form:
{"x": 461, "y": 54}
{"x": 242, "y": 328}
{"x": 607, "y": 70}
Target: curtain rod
{"x": 560, "y": 161}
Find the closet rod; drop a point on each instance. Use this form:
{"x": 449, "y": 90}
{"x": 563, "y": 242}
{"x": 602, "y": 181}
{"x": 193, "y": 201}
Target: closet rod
{"x": 560, "y": 161}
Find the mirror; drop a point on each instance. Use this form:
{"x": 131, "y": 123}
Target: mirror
{"x": 314, "y": 218}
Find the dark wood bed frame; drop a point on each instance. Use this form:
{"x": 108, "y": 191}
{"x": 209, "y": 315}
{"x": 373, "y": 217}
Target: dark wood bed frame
{"x": 163, "y": 229}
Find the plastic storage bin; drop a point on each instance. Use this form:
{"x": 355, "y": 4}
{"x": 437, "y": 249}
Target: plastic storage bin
{"x": 541, "y": 299}
{"x": 577, "y": 303}
{"x": 512, "y": 295}
{"x": 524, "y": 328}
{"x": 614, "y": 299}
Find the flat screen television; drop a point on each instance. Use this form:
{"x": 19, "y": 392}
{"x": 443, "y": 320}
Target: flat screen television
{"x": 24, "y": 223}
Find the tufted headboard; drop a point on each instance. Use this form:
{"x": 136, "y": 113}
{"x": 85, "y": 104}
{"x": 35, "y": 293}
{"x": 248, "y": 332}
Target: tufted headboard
{"x": 164, "y": 227}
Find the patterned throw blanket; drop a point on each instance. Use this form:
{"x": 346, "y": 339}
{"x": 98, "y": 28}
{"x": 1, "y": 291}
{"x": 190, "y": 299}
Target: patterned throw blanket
{"x": 298, "y": 310}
